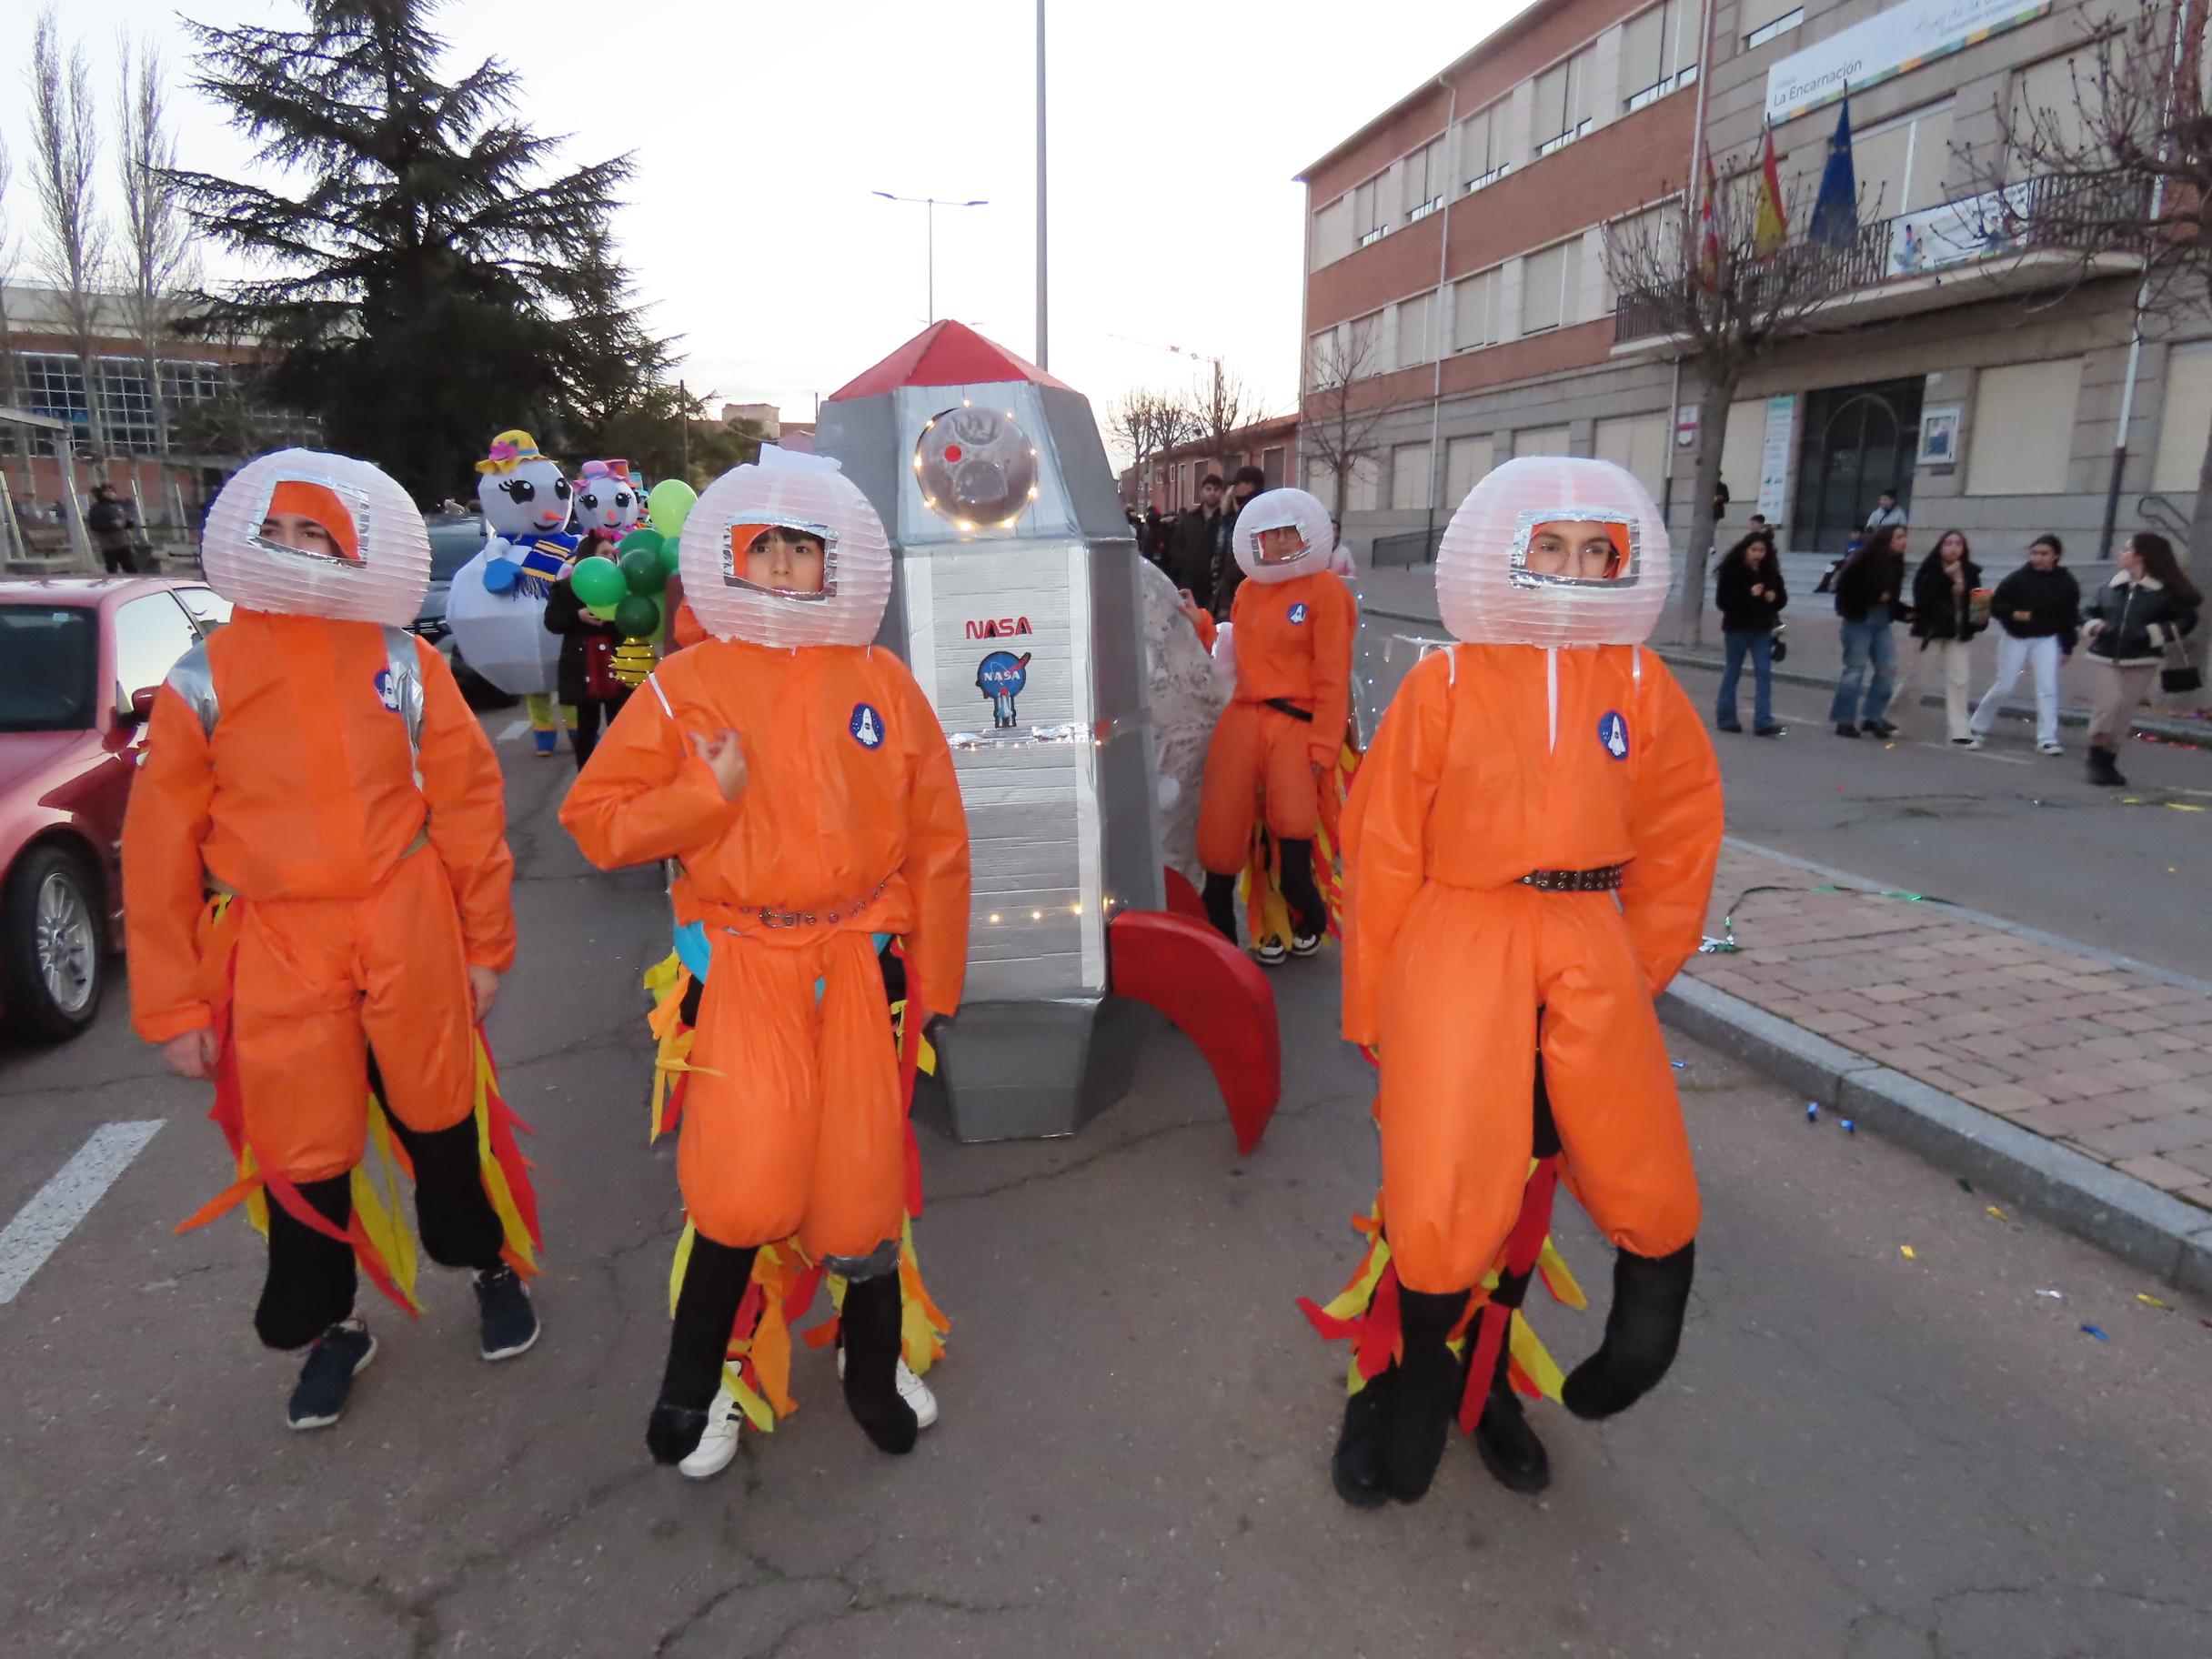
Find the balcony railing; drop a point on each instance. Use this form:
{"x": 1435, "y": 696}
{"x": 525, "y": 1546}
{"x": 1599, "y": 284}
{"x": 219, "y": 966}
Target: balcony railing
{"x": 2049, "y": 213}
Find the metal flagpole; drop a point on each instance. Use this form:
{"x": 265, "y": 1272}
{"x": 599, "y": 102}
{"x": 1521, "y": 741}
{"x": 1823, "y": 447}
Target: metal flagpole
{"x": 1043, "y": 333}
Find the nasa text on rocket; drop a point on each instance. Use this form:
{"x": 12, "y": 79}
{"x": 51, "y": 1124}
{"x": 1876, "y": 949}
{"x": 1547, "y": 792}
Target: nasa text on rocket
{"x": 1016, "y": 604}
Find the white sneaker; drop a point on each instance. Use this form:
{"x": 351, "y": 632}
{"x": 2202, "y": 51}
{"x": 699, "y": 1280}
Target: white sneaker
{"x": 911, "y": 1389}
{"x": 2050, "y": 749}
{"x": 1965, "y": 742}
{"x": 719, "y": 1444}
{"x": 1271, "y": 952}
{"x": 1304, "y": 944}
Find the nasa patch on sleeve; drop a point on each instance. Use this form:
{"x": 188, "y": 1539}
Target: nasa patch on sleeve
{"x": 866, "y": 726}
{"x": 1298, "y": 614}
{"x": 1612, "y": 733}
{"x": 387, "y": 690}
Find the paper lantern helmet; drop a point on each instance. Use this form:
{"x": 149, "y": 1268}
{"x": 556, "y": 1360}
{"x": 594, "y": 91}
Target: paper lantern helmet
{"x": 306, "y": 534}
{"x": 606, "y": 504}
{"x": 1553, "y": 550}
{"x": 1282, "y": 533}
{"x": 785, "y": 552}
{"x": 522, "y": 492}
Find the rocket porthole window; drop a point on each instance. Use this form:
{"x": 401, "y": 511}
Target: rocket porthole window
{"x": 976, "y": 467}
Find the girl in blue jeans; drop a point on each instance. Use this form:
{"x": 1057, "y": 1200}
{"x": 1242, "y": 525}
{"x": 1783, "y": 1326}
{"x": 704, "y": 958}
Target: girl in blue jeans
{"x": 1866, "y": 590}
{"x": 1749, "y": 590}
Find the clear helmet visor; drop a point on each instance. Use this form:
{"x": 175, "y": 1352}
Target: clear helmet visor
{"x": 783, "y": 559}
{"x": 317, "y": 522}
{"x": 1283, "y": 533}
{"x": 1574, "y": 547}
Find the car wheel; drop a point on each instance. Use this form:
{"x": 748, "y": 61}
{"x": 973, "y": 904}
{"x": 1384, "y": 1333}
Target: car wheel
{"x": 51, "y": 962}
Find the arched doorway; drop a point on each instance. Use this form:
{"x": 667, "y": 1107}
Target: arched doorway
{"x": 1858, "y": 441}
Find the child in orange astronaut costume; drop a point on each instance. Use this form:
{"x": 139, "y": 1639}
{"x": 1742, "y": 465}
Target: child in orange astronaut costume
{"x": 804, "y": 783}
{"x": 1292, "y": 626}
{"x": 1528, "y": 851}
{"x": 316, "y": 867}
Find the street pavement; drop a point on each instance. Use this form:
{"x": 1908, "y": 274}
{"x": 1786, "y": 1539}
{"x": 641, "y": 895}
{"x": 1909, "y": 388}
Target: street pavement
{"x": 1862, "y": 1453}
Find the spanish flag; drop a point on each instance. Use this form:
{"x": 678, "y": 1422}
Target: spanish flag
{"x": 1708, "y": 266}
{"x": 1772, "y": 228}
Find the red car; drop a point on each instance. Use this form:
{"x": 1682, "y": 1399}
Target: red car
{"x": 80, "y": 659}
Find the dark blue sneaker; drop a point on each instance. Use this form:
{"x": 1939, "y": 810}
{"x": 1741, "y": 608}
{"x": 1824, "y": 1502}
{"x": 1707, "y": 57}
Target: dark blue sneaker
{"x": 339, "y": 1355}
{"x": 507, "y": 1321}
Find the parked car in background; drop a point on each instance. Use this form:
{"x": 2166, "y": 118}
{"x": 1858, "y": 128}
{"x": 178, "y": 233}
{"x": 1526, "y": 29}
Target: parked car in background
{"x": 454, "y": 540}
{"x": 80, "y": 660}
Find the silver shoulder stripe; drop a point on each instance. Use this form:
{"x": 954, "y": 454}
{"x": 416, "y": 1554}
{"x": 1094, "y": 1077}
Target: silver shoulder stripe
{"x": 407, "y": 686}
{"x": 194, "y": 680}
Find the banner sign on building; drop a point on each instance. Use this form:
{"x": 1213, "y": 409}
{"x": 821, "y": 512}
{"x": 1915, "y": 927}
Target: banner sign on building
{"x": 1887, "y": 43}
{"x": 1775, "y": 457}
{"x": 1957, "y": 233}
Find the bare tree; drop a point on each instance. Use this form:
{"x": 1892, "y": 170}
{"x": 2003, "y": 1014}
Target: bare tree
{"x": 11, "y": 390}
{"x": 1147, "y": 424}
{"x": 1723, "y": 298}
{"x": 1219, "y": 404}
{"x": 66, "y": 148}
{"x": 2124, "y": 164}
{"x": 157, "y": 246}
{"x": 1338, "y": 423}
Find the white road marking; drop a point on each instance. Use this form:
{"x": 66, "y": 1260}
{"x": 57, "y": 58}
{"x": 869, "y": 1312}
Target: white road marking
{"x": 515, "y": 730}
{"x": 56, "y": 1208}
{"x": 1976, "y": 754}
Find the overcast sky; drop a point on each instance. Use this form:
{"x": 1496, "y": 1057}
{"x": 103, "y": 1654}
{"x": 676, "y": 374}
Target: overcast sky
{"x": 759, "y": 132}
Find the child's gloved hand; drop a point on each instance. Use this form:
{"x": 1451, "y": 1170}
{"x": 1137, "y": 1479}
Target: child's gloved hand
{"x": 194, "y": 1054}
{"x": 724, "y": 754}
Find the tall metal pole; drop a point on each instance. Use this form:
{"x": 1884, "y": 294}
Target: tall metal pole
{"x": 1043, "y": 333}
{"x": 931, "y": 211}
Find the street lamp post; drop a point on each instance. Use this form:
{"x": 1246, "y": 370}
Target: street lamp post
{"x": 1043, "y": 333}
{"x": 930, "y": 205}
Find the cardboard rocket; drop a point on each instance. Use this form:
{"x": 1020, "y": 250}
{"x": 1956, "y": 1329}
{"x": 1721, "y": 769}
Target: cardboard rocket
{"x": 1017, "y": 605}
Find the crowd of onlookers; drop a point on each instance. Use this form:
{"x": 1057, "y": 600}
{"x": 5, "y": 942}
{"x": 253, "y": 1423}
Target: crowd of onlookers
{"x": 1194, "y": 547}
{"x": 2129, "y": 632}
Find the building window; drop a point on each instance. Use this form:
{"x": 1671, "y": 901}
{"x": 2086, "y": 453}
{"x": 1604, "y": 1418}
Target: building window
{"x": 1761, "y": 20}
{"x": 1900, "y": 163}
{"x": 1416, "y": 317}
{"x": 52, "y": 385}
{"x": 1271, "y": 467}
{"x": 2057, "y": 101}
{"x": 2023, "y": 432}
{"x": 1483, "y": 143}
{"x": 1650, "y": 240}
{"x": 1370, "y": 217}
{"x": 1364, "y": 494}
{"x": 184, "y": 383}
{"x": 1562, "y": 111}
{"x": 1467, "y": 464}
{"x": 1551, "y": 278}
{"x": 1332, "y": 232}
{"x": 2182, "y": 421}
{"x": 1637, "y": 442}
{"x": 1424, "y": 172}
{"x": 126, "y": 404}
{"x": 1658, "y": 53}
{"x": 1474, "y": 310}
{"x": 1540, "y": 440}
{"x": 1409, "y": 477}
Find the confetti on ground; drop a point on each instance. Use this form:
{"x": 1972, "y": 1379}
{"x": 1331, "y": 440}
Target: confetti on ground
{"x": 1850, "y": 1128}
{"x": 2054, "y": 1295}
{"x": 2093, "y": 1331}
{"x": 1680, "y": 1065}
{"x": 1993, "y": 1213}
{"x": 1812, "y": 1112}
{"x": 2183, "y": 806}
{"x": 1964, "y": 1185}
{"x": 2149, "y": 1301}
{"x": 1906, "y": 1251}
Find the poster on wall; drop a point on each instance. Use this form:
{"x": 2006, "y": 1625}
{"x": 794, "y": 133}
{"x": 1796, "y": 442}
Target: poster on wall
{"x": 1775, "y": 456}
{"x": 1939, "y": 434}
{"x": 1957, "y": 233}
{"x": 1886, "y": 44}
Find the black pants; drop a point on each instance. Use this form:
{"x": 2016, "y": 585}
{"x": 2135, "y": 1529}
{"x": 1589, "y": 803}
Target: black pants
{"x": 311, "y": 1281}
{"x": 588, "y": 717}
{"x": 120, "y": 561}
{"x": 1309, "y": 915}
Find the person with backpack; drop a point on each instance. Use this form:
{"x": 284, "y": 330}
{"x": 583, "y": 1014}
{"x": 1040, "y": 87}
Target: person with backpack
{"x": 2036, "y": 610}
{"x": 2131, "y": 628}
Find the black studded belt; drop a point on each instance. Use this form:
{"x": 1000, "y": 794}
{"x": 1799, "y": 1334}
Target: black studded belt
{"x": 771, "y": 917}
{"x": 1605, "y": 880}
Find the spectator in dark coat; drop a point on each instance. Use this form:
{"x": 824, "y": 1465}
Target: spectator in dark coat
{"x": 1190, "y": 560}
{"x": 1867, "y": 591}
{"x": 111, "y": 520}
{"x": 1228, "y": 575}
{"x": 1750, "y": 591}
{"x": 1947, "y": 615}
{"x": 2130, "y": 628}
{"x": 2037, "y": 609}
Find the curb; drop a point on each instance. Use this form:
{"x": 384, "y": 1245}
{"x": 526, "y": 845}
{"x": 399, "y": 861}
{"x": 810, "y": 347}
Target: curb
{"x": 2134, "y": 1220}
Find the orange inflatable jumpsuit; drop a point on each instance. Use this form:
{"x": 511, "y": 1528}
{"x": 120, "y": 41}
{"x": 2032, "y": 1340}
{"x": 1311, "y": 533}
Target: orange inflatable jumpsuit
{"x": 847, "y": 826}
{"x": 1291, "y": 627}
{"x": 1528, "y": 851}
{"x": 321, "y": 777}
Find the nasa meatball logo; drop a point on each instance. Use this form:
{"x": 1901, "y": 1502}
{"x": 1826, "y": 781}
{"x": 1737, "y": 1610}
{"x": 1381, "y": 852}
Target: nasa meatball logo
{"x": 1001, "y": 677}
{"x": 866, "y": 726}
{"x": 1298, "y": 614}
{"x": 387, "y": 690}
{"x": 1613, "y": 734}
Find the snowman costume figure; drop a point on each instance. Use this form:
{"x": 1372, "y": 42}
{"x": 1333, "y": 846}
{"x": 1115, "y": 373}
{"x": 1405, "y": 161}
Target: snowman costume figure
{"x": 607, "y": 506}
{"x": 497, "y": 604}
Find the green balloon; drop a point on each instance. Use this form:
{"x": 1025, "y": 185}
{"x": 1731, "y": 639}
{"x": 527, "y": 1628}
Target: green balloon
{"x": 671, "y": 503}
{"x": 642, "y": 569}
{"x": 637, "y": 617}
{"x": 649, "y": 541}
{"x": 669, "y": 560}
{"x": 604, "y": 613}
{"x": 597, "y": 581}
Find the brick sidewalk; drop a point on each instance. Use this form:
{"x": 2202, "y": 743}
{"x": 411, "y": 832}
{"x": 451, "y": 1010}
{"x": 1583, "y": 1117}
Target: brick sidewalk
{"x": 2115, "y": 1064}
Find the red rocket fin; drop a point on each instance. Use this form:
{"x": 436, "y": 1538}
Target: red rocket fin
{"x": 1217, "y": 996}
{"x": 1183, "y": 898}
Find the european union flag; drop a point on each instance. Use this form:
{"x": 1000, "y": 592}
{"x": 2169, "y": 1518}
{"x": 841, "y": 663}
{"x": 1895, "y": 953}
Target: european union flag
{"x": 1835, "y": 212}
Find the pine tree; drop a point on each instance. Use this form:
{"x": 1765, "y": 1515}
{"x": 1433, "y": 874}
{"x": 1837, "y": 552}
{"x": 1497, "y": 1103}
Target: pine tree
{"x": 420, "y": 256}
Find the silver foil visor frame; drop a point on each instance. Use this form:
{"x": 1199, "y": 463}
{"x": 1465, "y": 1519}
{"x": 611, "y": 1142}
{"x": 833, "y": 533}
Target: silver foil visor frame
{"x": 352, "y": 500}
{"x": 1259, "y": 555}
{"x": 1526, "y": 524}
{"x": 737, "y": 538}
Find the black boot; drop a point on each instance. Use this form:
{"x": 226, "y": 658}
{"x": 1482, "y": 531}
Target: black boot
{"x": 2105, "y": 770}
{"x": 1357, "y": 1468}
{"x": 1650, "y": 1299}
{"x": 1308, "y": 914}
{"x": 706, "y": 1313}
{"x": 870, "y": 1319}
{"x": 1220, "y": 897}
{"x": 1425, "y": 1393}
{"x": 1508, "y": 1445}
